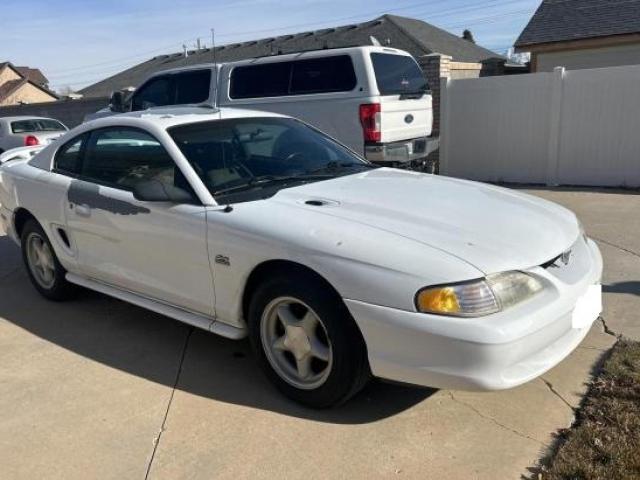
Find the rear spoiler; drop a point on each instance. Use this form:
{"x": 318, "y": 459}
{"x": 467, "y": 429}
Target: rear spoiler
{"x": 20, "y": 153}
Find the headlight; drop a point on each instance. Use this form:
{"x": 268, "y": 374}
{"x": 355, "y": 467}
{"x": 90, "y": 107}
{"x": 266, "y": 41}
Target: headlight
{"x": 478, "y": 297}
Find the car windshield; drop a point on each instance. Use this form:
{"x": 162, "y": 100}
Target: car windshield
{"x": 251, "y": 154}
{"x": 37, "y": 125}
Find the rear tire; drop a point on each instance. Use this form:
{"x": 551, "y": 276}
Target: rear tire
{"x": 306, "y": 341}
{"x": 44, "y": 269}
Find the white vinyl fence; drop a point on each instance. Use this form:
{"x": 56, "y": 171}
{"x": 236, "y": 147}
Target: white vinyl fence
{"x": 576, "y": 127}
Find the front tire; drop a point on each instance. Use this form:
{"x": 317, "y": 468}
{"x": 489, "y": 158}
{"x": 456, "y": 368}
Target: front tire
{"x": 306, "y": 341}
{"x": 44, "y": 269}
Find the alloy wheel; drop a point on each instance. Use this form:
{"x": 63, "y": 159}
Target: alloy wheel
{"x": 296, "y": 343}
{"x": 41, "y": 260}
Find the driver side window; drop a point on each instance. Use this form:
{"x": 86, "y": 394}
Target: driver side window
{"x": 155, "y": 93}
{"x": 122, "y": 157}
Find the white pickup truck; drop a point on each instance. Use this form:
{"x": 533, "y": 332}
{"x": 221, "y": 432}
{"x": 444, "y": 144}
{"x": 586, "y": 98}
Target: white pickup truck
{"x": 373, "y": 99}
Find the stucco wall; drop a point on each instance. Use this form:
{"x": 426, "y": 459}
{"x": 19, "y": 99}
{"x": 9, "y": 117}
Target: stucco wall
{"x": 7, "y": 75}
{"x": 27, "y": 93}
{"x": 464, "y": 70}
{"x": 589, "y": 58}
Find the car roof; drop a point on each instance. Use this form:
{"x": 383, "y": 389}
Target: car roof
{"x": 25, "y": 117}
{"x": 171, "y": 116}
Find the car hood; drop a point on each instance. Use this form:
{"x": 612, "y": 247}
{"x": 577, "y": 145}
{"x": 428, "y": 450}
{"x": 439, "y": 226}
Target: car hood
{"x": 494, "y": 229}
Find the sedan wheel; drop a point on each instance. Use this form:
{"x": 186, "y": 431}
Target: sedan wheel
{"x": 296, "y": 343}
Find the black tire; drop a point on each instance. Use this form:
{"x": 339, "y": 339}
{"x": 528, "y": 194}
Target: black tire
{"x": 349, "y": 371}
{"x": 60, "y": 289}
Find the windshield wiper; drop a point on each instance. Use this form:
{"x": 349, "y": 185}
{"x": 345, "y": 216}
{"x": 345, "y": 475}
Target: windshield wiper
{"x": 264, "y": 180}
{"x": 337, "y": 166}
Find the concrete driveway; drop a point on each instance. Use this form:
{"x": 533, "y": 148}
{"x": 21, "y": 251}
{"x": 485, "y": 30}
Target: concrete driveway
{"x": 97, "y": 388}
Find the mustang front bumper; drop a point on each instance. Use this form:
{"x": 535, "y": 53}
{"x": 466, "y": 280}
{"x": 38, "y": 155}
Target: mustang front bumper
{"x": 495, "y": 352}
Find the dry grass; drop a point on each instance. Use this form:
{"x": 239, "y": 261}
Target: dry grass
{"x": 604, "y": 442}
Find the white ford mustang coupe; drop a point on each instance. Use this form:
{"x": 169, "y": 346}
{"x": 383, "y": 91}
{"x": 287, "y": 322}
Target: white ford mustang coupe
{"x": 249, "y": 223}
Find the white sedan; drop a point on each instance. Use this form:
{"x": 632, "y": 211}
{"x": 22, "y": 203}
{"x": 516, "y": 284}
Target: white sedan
{"x": 255, "y": 224}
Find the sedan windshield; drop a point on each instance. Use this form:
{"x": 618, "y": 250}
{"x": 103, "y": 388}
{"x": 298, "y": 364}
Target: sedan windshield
{"x": 251, "y": 154}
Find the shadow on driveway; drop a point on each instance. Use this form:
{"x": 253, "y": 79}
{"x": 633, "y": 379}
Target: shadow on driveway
{"x": 631, "y": 287}
{"x": 138, "y": 342}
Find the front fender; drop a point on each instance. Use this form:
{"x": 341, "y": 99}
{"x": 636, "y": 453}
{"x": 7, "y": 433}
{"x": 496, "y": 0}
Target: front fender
{"x": 361, "y": 262}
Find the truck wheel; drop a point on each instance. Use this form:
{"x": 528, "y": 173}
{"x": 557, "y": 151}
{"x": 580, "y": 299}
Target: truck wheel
{"x": 307, "y": 342}
{"x": 45, "y": 271}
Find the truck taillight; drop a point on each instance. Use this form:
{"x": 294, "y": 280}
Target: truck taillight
{"x": 31, "y": 141}
{"x": 371, "y": 122}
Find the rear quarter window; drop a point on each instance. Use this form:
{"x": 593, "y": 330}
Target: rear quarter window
{"x": 68, "y": 159}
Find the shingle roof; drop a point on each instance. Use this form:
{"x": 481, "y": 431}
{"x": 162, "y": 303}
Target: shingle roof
{"x": 434, "y": 39}
{"x": 33, "y": 74}
{"x": 415, "y": 36}
{"x": 565, "y": 20}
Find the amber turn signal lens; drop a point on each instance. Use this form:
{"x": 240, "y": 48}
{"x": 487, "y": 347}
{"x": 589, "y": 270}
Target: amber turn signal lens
{"x": 440, "y": 300}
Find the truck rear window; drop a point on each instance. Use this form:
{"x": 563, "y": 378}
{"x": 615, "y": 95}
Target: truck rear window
{"x": 397, "y": 74}
{"x": 299, "y": 77}
{"x": 36, "y": 125}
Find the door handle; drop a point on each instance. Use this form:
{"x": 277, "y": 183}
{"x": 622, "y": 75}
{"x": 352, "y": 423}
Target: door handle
{"x": 82, "y": 210}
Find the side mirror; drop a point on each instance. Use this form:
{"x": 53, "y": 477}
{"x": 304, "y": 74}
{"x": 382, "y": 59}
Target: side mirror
{"x": 117, "y": 102}
{"x": 155, "y": 191}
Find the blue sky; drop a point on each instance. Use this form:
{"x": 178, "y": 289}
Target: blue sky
{"x": 78, "y": 42}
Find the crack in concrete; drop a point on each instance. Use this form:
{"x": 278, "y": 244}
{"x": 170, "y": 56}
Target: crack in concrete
{"x": 607, "y": 330}
{"x": 623, "y": 249}
{"x": 496, "y": 422}
{"x": 592, "y": 348}
{"x": 556, "y": 393}
{"x": 156, "y": 440}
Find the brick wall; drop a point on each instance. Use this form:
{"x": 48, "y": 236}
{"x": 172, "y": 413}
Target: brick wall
{"x": 435, "y": 66}
{"x": 69, "y": 112}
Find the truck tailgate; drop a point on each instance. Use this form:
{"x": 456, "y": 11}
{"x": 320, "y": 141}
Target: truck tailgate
{"x": 404, "y": 119}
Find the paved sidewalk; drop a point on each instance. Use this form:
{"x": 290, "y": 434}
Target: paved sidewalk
{"x": 96, "y": 388}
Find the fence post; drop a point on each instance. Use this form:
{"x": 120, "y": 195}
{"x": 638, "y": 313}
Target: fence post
{"x": 554, "y": 126}
{"x": 445, "y": 133}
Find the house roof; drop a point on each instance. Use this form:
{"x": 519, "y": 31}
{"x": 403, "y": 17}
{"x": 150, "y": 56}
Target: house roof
{"x": 566, "y": 20}
{"x": 415, "y": 36}
{"x": 33, "y": 74}
{"x": 9, "y": 87}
